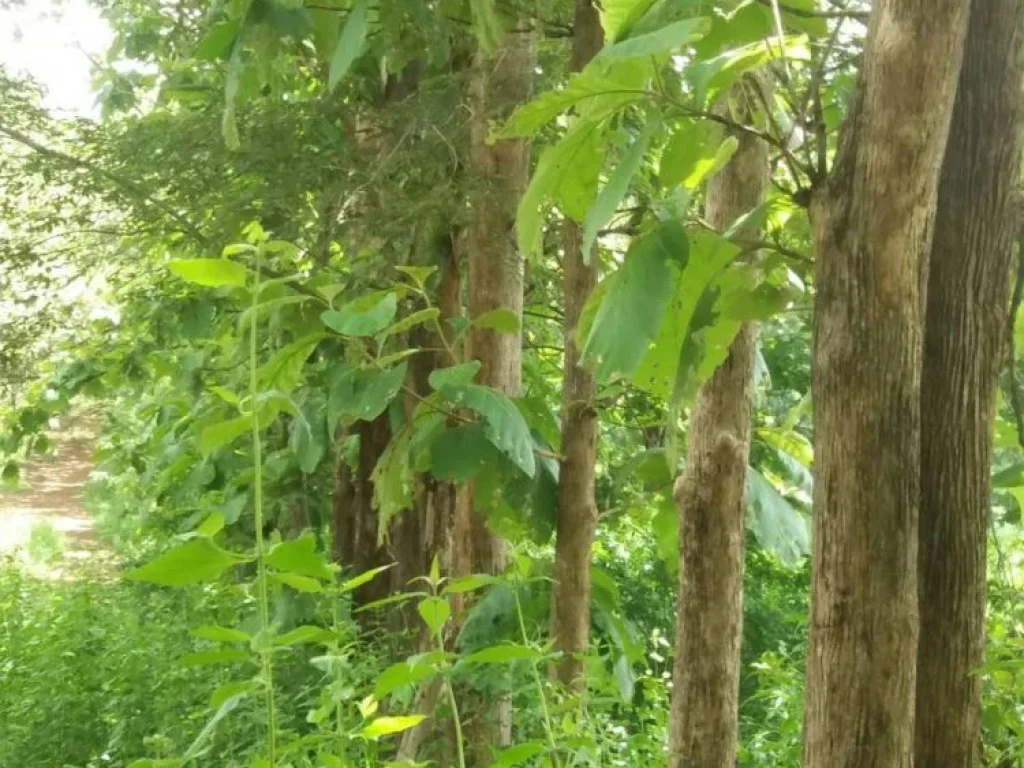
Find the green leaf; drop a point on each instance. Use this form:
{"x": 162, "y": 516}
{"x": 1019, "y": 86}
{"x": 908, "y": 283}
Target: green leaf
{"x": 583, "y": 89}
{"x": 459, "y": 453}
{"x": 300, "y": 556}
{"x": 780, "y": 528}
{"x": 305, "y": 634}
{"x": 504, "y": 425}
{"x": 487, "y": 24}
{"x": 419, "y": 275}
{"x": 221, "y": 634}
{"x": 503, "y": 654}
{"x": 356, "y": 320}
{"x": 217, "y": 42}
{"x": 211, "y": 526}
{"x": 619, "y": 16}
{"x": 225, "y": 656}
{"x": 634, "y": 302}
{"x": 502, "y": 320}
{"x": 364, "y": 578}
{"x": 212, "y": 273}
{"x": 223, "y": 433}
{"x": 386, "y": 726}
{"x": 405, "y": 673}
{"x": 668, "y": 39}
{"x": 350, "y": 43}
{"x": 567, "y": 175}
{"x": 228, "y": 706}
{"x": 392, "y": 481}
{"x": 612, "y": 193}
{"x": 712, "y": 77}
{"x": 299, "y": 583}
{"x": 225, "y": 691}
{"x": 456, "y": 375}
{"x": 194, "y": 561}
{"x": 470, "y": 583}
{"x": 374, "y": 390}
{"x": 283, "y": 371}
{"x": 689, "y": 151}
{"x": 416, "y": 318}
{"x": 692, "y": 290}
{"x": 518, "y": 754}
{"x": 435, "y": 612}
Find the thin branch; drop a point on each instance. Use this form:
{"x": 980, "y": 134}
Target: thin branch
{"x": 134, "y": 190}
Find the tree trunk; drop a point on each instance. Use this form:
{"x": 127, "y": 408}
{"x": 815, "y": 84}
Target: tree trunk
{"x": 499, "y": 83}
{"x": 872, "y": 224}
{"x": 577, "y": 513}
{"x": 964, "y": 342}
{"x": 709, "y": 495}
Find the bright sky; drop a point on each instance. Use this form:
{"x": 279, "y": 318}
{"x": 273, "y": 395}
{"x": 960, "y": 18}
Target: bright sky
{"x": 52, "y": 42}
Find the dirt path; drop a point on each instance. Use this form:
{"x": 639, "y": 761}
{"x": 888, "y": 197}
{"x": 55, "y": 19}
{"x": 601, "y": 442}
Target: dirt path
{"x": 50, "y": 500}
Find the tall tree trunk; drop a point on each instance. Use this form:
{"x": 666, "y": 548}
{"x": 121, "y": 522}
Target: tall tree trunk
{"x": 872, "y": 222}
{"x": 964, "y": 342}
{"x": 577, "y": 513}
{"x": 709, "y": 496}
{"x": 499, "y": 83}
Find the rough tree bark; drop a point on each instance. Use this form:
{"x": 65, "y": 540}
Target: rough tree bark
{"x": 966, "y": 319}
{"x": 577, "y": 513}
{"x": 709, "y": 496}
{"x": 499, "y": 83}
{"x": 872, "y": 221}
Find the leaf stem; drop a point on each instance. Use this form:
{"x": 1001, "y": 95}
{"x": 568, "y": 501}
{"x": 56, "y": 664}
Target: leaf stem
{"x": 263, "y": 598}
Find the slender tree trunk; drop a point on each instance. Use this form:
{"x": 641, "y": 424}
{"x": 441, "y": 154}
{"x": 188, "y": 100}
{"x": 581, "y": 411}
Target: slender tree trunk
{"x": 499, "y": 83}
{"x": 577, "y": 513}
{"x": 709, "y": 496}
{"x": 964, "y": 343}
{"x": 872, "y": 224}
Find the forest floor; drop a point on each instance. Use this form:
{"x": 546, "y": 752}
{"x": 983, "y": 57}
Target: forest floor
{"x": 43, "y": 521}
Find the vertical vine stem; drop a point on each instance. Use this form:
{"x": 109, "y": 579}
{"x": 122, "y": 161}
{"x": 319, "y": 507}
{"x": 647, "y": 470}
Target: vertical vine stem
{"x": 263, "y": 598}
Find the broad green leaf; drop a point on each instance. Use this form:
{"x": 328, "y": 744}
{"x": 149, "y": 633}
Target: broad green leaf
{"x": 356, "y": 320}
{"x": 712, "y": 77}
{"x": 619, "y": 16}
{"x": 212, "y": 273}
{"x": 435, "y": 612}
{"x": 224, "y": 656}
{"x": 404, "y": 673}
{"x": 299, "y": 583}
{"x": 487, "y": 24}
{"x": 612, "y": 193}
{"x": 502, "y": 320}
{"x": 456, "y": 375}
{"x": 694, "y": 142}
{"x": 350, "y": 43}
{"x": 518, "y": 754}
{"x": 305, "y": 634}
{"x": 665, "y": 40}
{"x": 634, "y": 302}
{"x": 566, "y": 175}
{"x": 388, "y": 725}
{"x": 780, "y": 528}
{"x": 470, "y": 583}
{"x": 300, "y": 556}
{"x": 374, "y": 390}
{"x": 283, "y": 371}
{"x": 504, "y": 425}
{"x": 693, "y": 288}
{"x": 364, "y": 578}
{"x": 225, "y": 691}
{"x": 459, "y": 453}
{"x": 392, "y": 480}
{"x": 581, "y": 89}
{"x": 211, "y": 526}
{"x": 226, "y": 708}
{"x": 223, "y": 433}
{"x": 504, "y": 653}
{"x": 419, "y": 275}
{"x": 226, "y": 395}
{"x": 416, "y": 318}
{"x": 221, "y": 634}
{"x": 196, "y": 560}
